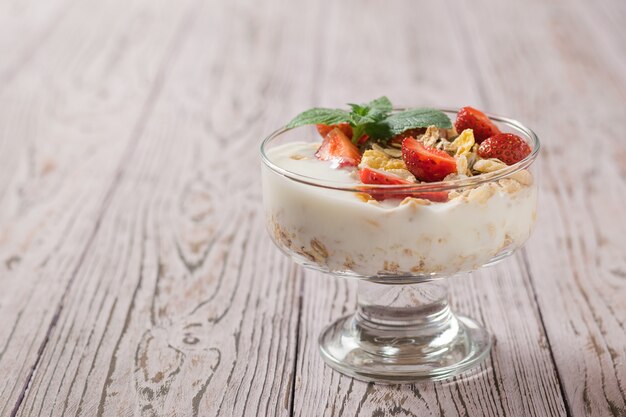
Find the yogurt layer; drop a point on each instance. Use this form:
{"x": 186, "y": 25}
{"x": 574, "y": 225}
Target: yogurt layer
{"x": 343, "y": 232}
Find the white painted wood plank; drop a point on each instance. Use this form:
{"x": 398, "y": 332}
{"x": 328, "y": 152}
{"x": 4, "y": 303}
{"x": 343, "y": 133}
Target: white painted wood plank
{"x": 25, "y": 27}
{"x": 69, "y": 115}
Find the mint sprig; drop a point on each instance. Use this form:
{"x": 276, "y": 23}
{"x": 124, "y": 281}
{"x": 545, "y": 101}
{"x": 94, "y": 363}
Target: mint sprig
{"x": 372, "y": 112}
{"x": 374, "y": 119}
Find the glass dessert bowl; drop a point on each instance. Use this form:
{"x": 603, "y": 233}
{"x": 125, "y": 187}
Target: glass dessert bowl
{"x": 401, "y": 241}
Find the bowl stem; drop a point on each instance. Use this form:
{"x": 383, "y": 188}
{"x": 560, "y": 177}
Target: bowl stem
{"x": 403, "y": 333}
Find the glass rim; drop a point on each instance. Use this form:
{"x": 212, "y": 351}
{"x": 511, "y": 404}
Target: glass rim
{"x": 421, "y": 187}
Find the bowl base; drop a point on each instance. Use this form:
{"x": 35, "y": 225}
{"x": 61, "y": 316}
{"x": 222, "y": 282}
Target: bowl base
{"x": 406, "y": 358}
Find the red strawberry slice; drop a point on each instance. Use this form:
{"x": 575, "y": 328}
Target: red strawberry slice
{"x": 344, "y": 127}
{"x": 507, "y": 147}
{"x": 337, "y": 147}
{"x": 470, "y": 118}
{"x": 323, "y": 130}
{"x": 427, "y": 164}
{"x": 374, "y": 176}
{"x": 362, "y": 140}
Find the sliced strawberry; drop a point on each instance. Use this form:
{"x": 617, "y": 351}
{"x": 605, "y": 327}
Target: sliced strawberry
{"x": 427, "y": 164}
{"x": 507, "y": 147}
{"x": 374, "y": 176}
{"x": 470, "y": 118}
{"x": 344, "y": 127}
{"x": 337, "y": 147}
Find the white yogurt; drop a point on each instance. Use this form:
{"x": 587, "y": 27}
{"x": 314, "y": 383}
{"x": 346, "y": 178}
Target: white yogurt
{"x": 339, "y": 232}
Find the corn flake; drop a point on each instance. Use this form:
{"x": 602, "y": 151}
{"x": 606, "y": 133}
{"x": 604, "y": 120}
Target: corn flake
{"x": 464, "y": 143}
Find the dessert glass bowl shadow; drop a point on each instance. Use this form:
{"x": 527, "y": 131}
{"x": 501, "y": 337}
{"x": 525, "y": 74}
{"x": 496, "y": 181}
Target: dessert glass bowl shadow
{"x": 403, "y": 329}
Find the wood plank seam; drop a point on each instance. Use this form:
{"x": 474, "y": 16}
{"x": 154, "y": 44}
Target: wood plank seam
{"x": 531, "y": 281}
{"x": 292, "y": 385}
{"x": 320, "y": 40}
{"x": 136, "y": 132}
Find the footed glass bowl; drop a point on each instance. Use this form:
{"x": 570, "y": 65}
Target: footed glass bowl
{"x": 400, "y": 248}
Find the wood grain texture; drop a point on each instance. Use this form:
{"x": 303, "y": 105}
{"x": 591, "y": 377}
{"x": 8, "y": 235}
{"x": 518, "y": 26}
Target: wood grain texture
{"x": 69, "y": 118}
{"x": 136, "y": 274}
{"x": 25, "y": 26}
{"x": 180, "y": 306}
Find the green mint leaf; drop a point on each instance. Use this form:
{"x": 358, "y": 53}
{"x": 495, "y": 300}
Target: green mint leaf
{"x": 379, "y": 109}
{"x": 378, "y": 131}
{"x": 380, "y": 105}
{"x": 319, "y": 116}
{"x": 409, "y": 119}
{"x": 358, "y": 120}
{"x": 421, "y": 117}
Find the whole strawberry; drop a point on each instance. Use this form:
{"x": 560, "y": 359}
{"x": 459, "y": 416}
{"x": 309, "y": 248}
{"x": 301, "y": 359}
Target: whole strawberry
{"x": 471, "y": 118}
{"x": 507, "y": 147}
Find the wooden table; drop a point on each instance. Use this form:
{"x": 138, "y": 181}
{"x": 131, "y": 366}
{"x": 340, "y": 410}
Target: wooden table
{"x": 136, "y": 275}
